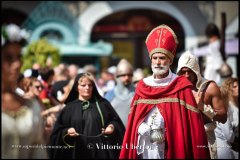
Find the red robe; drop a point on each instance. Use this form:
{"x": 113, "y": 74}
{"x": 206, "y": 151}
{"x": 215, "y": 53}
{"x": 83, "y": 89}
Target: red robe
{"x": 185, "y": 136}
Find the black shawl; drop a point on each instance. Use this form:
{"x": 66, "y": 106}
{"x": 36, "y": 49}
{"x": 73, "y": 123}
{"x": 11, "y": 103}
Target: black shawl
{"x": 88, "y": 123}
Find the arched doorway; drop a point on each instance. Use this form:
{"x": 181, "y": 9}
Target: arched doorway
{"x": 127, "y": 31}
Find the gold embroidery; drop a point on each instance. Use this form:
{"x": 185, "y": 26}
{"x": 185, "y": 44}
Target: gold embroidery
{"x": 15, "y": 114}
{"x": 164, "y": 32}
{"x": 163, "y": 40}
{"x": 166, "y": 27}
{"x": 164, "y": 100}
{"x": 189, "y": 106}
{"x": 159, "y": 39}
{"x": 156, "y": 41}
{"x": 130, "y": 111}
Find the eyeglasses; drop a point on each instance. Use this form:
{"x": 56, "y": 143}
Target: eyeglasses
{"x": 39, "y": 87}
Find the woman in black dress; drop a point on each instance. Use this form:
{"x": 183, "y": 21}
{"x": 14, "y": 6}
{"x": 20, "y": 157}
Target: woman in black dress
{"x": 88, "y": 127}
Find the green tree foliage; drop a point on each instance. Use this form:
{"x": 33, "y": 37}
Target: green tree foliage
{"x": 39, "y": 52}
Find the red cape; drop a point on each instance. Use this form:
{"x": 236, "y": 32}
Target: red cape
{"x": 185, "y": 135}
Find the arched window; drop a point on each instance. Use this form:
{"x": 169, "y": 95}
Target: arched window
{"x": 52, "y": 34}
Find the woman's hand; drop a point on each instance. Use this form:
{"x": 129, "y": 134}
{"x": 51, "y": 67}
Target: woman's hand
{"x": 50, "y": 120}
{"x": 72, "y": 132}
{"x": 109, "y": 129}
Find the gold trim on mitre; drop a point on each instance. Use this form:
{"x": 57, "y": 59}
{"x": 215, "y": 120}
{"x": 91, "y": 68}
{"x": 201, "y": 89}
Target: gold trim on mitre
{"x": 161, "y": 50}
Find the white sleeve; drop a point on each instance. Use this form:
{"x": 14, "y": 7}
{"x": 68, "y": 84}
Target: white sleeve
{"x": 227, "y": 130}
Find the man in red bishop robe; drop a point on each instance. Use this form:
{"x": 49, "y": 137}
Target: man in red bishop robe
{"x": 164, "y": 121}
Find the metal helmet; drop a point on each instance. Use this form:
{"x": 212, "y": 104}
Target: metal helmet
{"x": 124, "y": 67}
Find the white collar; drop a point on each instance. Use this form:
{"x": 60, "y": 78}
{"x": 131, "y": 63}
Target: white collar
{"x": 151, "y": 81}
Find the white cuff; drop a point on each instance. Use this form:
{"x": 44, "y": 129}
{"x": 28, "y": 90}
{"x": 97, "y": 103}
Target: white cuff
{"x": 144, "y": 129}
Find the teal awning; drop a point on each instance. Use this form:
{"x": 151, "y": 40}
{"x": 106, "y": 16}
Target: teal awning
{"x": 92, "y": 49}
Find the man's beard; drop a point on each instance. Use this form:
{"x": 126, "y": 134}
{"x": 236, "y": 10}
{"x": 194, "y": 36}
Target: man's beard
{"x": 159, "y": 69}
{"x": 125, "y": 84}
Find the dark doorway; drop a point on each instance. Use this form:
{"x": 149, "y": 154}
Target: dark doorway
{"x": 127, "y": 31}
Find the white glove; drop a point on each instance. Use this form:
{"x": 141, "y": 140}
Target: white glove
{"x": 144, "y": 129}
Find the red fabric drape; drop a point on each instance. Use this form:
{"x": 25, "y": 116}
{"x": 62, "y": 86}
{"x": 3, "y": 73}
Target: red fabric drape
{"x": 185, "y": 135}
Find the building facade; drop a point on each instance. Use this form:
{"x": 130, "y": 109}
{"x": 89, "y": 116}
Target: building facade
{"x": 102, "y": 32}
